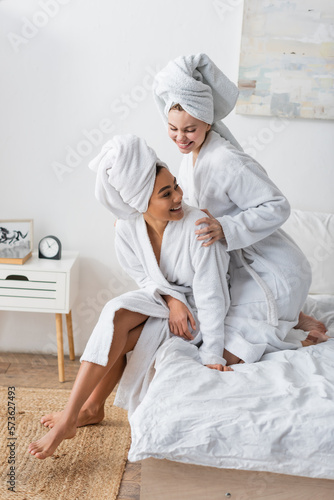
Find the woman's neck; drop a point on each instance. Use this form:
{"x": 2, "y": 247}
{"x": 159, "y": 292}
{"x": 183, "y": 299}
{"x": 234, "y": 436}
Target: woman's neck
{"x": 197, "y": 151}
{"x": 155, "y": 231}
{"x": 155, "y": 226}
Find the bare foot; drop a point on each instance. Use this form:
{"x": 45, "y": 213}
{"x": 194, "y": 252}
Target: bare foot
{"x": 307, "y": 323}
{"x": 314, "y": 337}
{"x": 220, "y": 368}
{"x": 45, "y": 446}
{"x": 86, "y": 417}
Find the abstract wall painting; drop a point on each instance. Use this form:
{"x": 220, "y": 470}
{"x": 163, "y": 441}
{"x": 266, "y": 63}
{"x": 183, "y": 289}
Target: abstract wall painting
{"x": 287, "y": 59}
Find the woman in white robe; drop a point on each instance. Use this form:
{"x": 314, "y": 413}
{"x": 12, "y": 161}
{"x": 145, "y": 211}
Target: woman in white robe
{"x": 269, "y": 275}
{"x": 159, "y": 249}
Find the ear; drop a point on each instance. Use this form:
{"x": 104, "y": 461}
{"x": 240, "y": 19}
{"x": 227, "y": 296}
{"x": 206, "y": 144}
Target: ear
{"x": 208, "y": 127}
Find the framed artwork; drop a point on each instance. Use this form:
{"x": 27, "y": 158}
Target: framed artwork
{"x": 287, "y": 59}
{"x": 16, "y": 241}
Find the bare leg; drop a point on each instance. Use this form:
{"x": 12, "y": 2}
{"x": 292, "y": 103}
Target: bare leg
{"x": 92, "y": 411}
{"x": 87, "y": 380}
{"x": 231, "y": 359}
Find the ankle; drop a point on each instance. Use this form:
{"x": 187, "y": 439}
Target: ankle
{"x": 69, "y": 418}
{"x": 92, "y": 410}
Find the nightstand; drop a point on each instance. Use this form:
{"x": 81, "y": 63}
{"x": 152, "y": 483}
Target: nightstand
{"x": 42, "y": 285}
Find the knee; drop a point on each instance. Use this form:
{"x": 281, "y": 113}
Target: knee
{"x": 119, "y": 315}
{"x": 119, "y": 318}
{"x": 231, "y": 359}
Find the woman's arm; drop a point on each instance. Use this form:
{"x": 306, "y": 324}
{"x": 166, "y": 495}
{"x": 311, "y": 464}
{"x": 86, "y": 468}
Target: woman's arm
{"x": 179, "y": 312}
{"x": 211, "y": 294}
{"x": 263, "y": 207}
{"x": 179, "y": 318}
{"x": 212, "y": 231}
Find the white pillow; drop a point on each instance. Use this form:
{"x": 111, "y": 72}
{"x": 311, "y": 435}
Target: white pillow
{"x": 314, "y": 234}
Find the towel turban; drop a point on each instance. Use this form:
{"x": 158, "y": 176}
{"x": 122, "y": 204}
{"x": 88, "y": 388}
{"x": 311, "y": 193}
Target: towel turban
{"x": 200, "y": 87}
{"x": 126, "y": 172}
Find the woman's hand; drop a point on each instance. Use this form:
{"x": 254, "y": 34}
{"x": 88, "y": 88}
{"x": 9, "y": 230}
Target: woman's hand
{"x": 213, "y": 231}
{"x": 220, "y": 368}
{"x": 179, "y": 318}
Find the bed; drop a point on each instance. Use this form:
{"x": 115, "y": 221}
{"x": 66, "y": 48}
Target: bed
{"x": 275, "y": 417}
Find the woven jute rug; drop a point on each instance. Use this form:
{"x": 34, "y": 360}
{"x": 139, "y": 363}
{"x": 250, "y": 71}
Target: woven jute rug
{"x": 89, "y": 466}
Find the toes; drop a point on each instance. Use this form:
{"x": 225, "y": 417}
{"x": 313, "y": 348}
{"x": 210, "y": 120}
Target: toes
{"x": 48, "y": 420}
{"x": 49, "y": 424}
{"x": 32, "y": 449}
{"x": 317, "y": 337}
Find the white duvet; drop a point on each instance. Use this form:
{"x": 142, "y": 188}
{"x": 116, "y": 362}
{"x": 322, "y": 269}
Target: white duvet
{"x": 276, "y": 415}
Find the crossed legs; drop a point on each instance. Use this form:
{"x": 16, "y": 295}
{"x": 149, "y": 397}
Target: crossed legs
{"x": 93, "y": 384}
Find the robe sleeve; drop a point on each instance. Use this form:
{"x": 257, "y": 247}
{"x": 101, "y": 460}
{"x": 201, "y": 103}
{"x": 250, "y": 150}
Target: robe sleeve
{"x": 263, "y": 207}
{"x": 211, "y": 294}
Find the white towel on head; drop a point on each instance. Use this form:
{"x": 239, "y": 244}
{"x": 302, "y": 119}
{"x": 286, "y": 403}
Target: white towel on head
{"x": 201, "y": 88}
{"x": 126, "y": 172}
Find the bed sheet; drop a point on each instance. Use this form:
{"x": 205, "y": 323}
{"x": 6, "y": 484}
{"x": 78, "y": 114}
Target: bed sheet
{"x": 276, "y": 415}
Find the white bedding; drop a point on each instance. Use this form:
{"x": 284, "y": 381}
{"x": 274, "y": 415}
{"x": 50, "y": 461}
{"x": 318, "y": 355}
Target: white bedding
{"x": 276, "y": 415}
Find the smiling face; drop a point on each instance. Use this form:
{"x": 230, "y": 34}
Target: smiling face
{"x": 166, "y": 201}
{"x": 187, "y": 132}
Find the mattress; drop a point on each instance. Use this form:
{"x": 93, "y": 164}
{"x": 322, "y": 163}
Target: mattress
{"x": 276, "y": 415}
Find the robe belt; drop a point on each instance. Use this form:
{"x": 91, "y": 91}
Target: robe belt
{"x": 272, "y": 314}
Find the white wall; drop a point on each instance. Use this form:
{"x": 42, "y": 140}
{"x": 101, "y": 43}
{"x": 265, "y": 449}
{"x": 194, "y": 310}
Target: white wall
{"x": 79, "y": 69}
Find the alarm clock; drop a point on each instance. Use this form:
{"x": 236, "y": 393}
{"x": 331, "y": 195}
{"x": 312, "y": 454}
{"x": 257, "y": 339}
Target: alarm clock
{"x": 49, "y": 248}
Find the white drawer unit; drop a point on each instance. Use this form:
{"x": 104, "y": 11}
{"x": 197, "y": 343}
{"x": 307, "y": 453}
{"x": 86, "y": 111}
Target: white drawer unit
{"x": 32, "y": 290}
{"x": 42, "y": 285}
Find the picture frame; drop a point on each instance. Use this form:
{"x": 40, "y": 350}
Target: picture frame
{"x": 16, "y": 240}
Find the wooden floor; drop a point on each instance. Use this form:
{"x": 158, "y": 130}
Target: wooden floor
{"x": 40, "y": 370}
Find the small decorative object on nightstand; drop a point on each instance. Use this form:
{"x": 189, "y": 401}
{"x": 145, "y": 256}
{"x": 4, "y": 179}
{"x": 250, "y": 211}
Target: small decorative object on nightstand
{"x": 49, "y": 248}
{"x": 16, "y": 240}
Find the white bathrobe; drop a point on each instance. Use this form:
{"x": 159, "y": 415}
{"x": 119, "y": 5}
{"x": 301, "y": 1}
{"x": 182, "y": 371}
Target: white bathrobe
{"x": 270, "y": 277}
{"x": 189, "y": 272}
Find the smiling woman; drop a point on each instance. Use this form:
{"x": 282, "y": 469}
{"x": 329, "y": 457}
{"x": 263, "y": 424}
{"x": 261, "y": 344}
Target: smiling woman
{"x": 186, "y": 131}
{"x": 269, "y": 275}
{"x": 165, "y": 202}
{"x": 183, "y": 291}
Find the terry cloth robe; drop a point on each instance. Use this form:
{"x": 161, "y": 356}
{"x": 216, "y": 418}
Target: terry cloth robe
{"x": 189, "y": 272}
{"x": 270, "y": 277}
